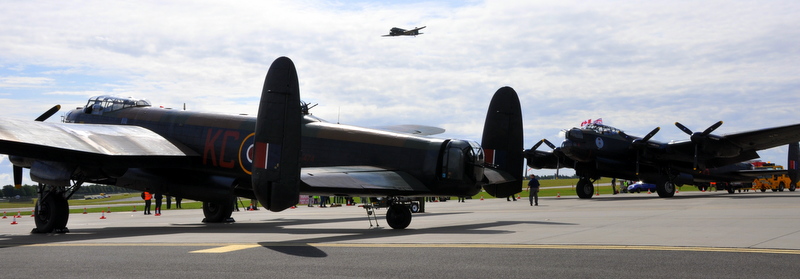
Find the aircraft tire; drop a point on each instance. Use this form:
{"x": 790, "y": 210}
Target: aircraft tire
{"x": 216, "y": 212}
{"x": 665, "y": 189}
{"x": 781, "y": 186}
{"x": 414, "y": 207}
{"x": 52, "y": 213}
{"x": 584, "y": 188}
{"x": 792, "y": 188}
{"x": 763, "y": 190}
{"x": 398, "y": 216}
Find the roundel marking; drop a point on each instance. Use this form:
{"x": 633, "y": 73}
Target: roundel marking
{"x": 599, "y": 142}
{"x": 246, "y": 153}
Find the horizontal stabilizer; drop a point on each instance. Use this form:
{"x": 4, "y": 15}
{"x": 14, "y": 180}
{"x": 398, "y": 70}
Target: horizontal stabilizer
{"x": 359, "y": 178}
{"x": 419, "y": 130}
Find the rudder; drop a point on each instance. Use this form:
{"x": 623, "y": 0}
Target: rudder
{"x": 276, "y": 168}
{"x": 502, "y": 141}
{"x": 794, "y": 156}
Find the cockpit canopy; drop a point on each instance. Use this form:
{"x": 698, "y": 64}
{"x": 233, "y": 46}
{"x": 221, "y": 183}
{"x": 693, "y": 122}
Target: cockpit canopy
{"x": 105, "y": 103}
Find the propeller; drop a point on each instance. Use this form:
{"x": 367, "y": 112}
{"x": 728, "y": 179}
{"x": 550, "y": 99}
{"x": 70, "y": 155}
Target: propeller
{"x": 697, "y": 138}
{"x": 545, "y": 141}
{"x": 552, "y": 146}
{"x": 639, "y": 143}
{"x": 18, "y": 169}
{"x": 48, "y": 113}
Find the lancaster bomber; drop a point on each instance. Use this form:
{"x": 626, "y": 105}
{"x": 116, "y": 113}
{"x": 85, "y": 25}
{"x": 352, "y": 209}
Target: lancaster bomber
{"x": 595, "y": 150}
{"x": 274, "y": 157}
{"x": 395, "y": 31}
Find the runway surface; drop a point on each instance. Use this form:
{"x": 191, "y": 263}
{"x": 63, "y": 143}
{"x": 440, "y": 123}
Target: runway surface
{"x": 713, "y": 234}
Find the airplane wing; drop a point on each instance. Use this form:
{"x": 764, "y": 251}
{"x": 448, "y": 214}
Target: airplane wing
{"x": 361, "y": 178}
{"x": 419, "y": 130}
{"x": 766, "y": 138}
{"x": 102, "y": 145}
{"x": 749, "y": 142}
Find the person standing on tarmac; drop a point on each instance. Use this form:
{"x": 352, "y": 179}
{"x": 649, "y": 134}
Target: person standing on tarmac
{"x": 159, "y": 197}
{"x": 533, "y": 190}
{"x": 147, "y": 197}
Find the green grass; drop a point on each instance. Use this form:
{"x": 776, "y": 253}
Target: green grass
{"x": 116, "y": 199}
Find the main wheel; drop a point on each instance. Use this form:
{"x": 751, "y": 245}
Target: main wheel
{"x": 584, "y": 188}
{"x": 781, "y": 186}
{"x": 52, "y": 213}
{"x": 217, "y": 212}
{"x": 792, "y": 187}
{"x": 398, "y": 216}
{"x": 665, "y": 189}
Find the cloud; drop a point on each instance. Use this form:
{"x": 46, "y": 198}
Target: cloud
{"x": 636, "y": 64}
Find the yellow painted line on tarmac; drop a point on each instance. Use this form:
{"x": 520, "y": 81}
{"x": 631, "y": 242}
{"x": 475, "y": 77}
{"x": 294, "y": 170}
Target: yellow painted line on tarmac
{"x": 227, "y": 248}
{"x": 231, "y": 247}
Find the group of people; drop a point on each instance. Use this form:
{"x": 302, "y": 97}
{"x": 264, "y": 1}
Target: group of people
{"x": 148, "y": 197}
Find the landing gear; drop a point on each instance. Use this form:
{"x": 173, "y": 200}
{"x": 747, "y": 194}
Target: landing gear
{"x": 584, "y": 188}
{"x": 218, "y": 212}
{"x": 52, "y": 213}
{"x": 665, "y": 189}
{"x": 398, "y": 216}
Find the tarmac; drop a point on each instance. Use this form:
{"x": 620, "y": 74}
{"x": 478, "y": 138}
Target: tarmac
{"x": 755, "y": 229}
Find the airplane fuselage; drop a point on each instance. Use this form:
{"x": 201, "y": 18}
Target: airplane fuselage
{"x": 224, "y": 145}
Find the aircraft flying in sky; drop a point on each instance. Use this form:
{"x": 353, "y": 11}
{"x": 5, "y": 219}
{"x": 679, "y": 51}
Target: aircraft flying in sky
{"x": 596, "y": 150}
{"x": 395, "y": 31}
{"x": 274, "y": 157}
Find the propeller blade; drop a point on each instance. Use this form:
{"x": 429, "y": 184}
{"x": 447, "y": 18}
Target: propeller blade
{"x": 683, "y": 128}
{"x": 17, "y": 177}
{"x": 712, "y": 128}
{"x": 550, "y": 144}
{"x": 535, "y": 146}
{"x": 651, "y": 134}
{"x": 48, "y": 113}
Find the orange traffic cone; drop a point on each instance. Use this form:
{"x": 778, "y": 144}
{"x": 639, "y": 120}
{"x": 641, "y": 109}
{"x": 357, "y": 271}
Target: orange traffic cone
{"x": 677, "y": 191}
{"x": 648, "y": 191}
{"x": 250, "y": 208}
{"x": 33, "y": 211}
{"x": 109, "y": 210}
{"x": 4, "y": 215}
{"x": 15, "y": 221}
{"x": 84, "y": 210}
{"x": 519, "y": 197}
{"x": 104, "y": 215}
{"x": 19, "y": 214}
{"x": 134, "y": 208}
{"x": 158, "y": 211}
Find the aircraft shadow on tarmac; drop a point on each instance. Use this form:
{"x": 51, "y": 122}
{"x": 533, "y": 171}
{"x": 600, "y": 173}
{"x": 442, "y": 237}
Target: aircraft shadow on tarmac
{"x": 273, "y": 226}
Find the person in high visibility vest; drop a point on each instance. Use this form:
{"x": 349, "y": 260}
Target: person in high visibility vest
{"x": 147, "y": 197}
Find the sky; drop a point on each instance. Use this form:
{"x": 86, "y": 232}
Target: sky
{"x": 635, "y": 64}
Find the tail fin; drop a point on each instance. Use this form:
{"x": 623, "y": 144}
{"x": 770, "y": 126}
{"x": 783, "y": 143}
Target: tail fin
{"x": 502, "y": 144}
{"x": 794, "y": 156}
{"x": 276, "y": 168}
